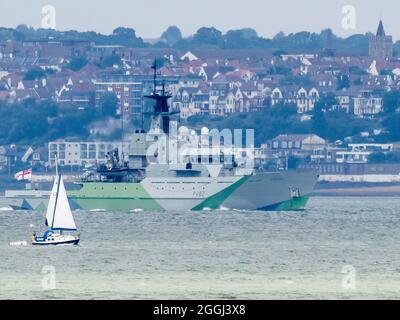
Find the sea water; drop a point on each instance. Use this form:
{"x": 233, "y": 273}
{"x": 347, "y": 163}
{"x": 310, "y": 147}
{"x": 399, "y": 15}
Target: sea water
{"x": 339, "y": 248}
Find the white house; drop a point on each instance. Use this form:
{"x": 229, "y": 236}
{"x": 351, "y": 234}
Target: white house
{"x": 303, "y": 99}
{"x": 367, "y": 104}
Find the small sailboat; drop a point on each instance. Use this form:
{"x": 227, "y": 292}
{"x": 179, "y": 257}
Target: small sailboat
{"x": 59, "y": 219}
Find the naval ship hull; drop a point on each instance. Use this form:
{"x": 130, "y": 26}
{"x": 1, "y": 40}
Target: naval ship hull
{"x": 263, "y": 191}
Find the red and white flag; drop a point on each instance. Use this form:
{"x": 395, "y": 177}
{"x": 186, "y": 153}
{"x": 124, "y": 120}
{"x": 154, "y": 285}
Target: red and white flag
{"x": 24, "y": 175}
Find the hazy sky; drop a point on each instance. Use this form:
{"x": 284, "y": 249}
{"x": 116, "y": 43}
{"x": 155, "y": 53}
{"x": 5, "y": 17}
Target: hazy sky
{"x": 150, "y": 17}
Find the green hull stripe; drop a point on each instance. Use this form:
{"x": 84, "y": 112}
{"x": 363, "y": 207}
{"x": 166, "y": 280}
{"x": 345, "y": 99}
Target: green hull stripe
{"x": 41, "y": 207}
{"x": 124, "y": 205}
{"x": 215, "y": 202}
{"x": 289, "y": 205}
{"x": 294, "y": 204}
{"x": 114, "y": 197}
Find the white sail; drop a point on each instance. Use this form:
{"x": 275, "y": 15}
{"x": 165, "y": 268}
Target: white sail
{"x": 62, "y": 215}
{"x": 52, "y": 203}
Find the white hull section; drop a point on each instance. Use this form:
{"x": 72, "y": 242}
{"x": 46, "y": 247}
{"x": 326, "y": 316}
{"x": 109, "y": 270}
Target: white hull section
{"x": 56, "y": 239}
{"x": 185, "y": 194}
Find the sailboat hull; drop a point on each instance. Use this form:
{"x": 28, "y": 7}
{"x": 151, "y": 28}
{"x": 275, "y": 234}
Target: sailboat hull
{"x": 56, "y": 240}
{"x": 72, "y": 243}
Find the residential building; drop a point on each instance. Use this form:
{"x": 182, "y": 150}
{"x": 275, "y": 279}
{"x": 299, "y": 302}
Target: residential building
{"x": 368, "y": 104}
{"x": 303, "y": 99}
{"x": 297, "y": 145}
{"x": 82, "y": 153}
{"x": 3, "y": 157}
{"x": 129, "y": 93}
{"x": 359, "y": 153}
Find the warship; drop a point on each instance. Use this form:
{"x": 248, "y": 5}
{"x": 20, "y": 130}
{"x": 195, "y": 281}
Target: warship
{"x": 209, "y": 179}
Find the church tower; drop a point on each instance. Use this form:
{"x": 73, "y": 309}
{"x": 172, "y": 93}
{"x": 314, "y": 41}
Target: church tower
{"x": 381, "y": 45}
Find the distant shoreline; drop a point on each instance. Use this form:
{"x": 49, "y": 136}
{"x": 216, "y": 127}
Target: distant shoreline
{"x": 357, "y": 189}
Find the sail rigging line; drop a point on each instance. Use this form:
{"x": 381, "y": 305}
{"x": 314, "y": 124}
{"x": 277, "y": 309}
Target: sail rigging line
{"x": 56, "y": 161}
{"x": 55, "y": 205}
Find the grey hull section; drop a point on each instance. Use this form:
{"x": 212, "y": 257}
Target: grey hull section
{"x": 28, "y": 203}
{"x": 267, "y": 190}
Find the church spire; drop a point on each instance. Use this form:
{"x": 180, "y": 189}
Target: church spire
{"x": 381, "y": 45}
{"x": 381, "y": 30}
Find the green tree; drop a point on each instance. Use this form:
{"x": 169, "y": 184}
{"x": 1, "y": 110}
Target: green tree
{"x": 172, "y": 35}
{"x": 22, "y": 121}
{"x": 380, "y": 157}
{"x": 391, "y": 101}
{"x": 281, "y": 70}
{"x": 242, "y": 39}
{"x": 77, "y": 63}
{"x": 392, "y": 124}
{"x": 337, "y": 125}
{"x": 35, "y": 74}
{"x": 319, "y": 121}
{"x": 249, "y": 33}
{"x": 124, "y": 33}
{"x": 272, "y": 121}
{"x": 108, "y": 105}
{"x": 355, "y": 70}
{"x": 236, "y": 39}
{"x": 327, "y": 101}
{"x": 125, "y": 36}
{"x": 109, "y": 61}
{"x": 208, "y": 37}
{"x": 343, "y": 82}
{"x": 161, "y": 45}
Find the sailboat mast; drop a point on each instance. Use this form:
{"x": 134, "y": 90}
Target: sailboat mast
{"x": 56, "y": 160}
{"x": 122, "y": 133}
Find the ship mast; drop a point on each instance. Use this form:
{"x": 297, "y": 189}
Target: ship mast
{"x": 161, "y": 113}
